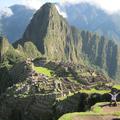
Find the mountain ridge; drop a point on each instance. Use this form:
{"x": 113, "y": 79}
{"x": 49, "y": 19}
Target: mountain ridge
{"x": 89, "y": 17}
{"x": 19, "y": 18}
{"x": 72, "y": 44}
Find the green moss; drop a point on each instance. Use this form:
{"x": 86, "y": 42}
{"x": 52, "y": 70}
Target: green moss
{"x": 43, "y": 70}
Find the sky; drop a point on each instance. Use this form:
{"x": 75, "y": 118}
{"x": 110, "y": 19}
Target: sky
{"x": 109, "y": 5}
{"x": 32, "y": 3}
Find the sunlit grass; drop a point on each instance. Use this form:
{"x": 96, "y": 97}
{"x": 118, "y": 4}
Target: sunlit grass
{"x": 91, "y": 91}
{"x": 117, "y": 87}
{"x": 43, "y": 70}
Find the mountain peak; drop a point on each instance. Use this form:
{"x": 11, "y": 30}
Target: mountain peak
{"x": 45, "y": 20}
{"x": 48, "y": 4}
{"x": 48, "y": 8}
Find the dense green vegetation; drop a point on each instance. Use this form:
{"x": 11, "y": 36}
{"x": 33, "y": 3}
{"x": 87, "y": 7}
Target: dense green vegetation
{"x": 8, "y": 54}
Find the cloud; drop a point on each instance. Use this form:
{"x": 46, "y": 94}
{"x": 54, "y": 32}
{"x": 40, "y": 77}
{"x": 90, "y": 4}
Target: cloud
{"x": 61, "y": 12}
{"x": 6, "y": 12}
{"x": 108, "y": 5}
{"x": 36, "y": 4}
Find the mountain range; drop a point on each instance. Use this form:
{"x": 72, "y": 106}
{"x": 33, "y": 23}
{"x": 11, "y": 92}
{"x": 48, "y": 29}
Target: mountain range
{"x": 93, "y": 18}
{"x": 83, "y": 16}
{"x": 49, "y": 35}
{"x": 14, "y": 20}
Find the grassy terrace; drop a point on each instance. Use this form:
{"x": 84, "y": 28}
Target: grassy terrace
{"x": 91, "y": 91}
{"x": 96, "y": 110}
{"x": 43, "y": 70}
{"x": 70, "y": 116}
{"x": 117, "y": 87}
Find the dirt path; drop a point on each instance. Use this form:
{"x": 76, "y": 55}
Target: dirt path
{"x": 106, "y": 109}
{"x": 96, "y": 118}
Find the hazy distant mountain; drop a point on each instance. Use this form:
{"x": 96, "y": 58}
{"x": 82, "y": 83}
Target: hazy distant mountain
{"x": 14, "y": 21}
{"x": 89, "y": 17}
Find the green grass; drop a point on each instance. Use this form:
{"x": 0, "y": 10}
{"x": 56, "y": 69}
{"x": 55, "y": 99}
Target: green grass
{"x": 96, "y": 108}
{"x": 91, "y": 91}
{"x": 117, "y": 87}
{"x": 70, "y": 116}
{"x": 43, "y": 70}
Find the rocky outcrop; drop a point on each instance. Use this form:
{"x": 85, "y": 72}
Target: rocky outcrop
{"x": 101, "y": 52}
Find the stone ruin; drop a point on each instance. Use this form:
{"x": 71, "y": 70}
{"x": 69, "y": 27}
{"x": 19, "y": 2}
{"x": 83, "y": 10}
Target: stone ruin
{"x": 45, "y": 98}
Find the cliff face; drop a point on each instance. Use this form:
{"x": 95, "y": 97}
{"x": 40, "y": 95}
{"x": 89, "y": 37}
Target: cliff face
{"x": 101, "y": 52}
{"x": 56, "y": 40}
